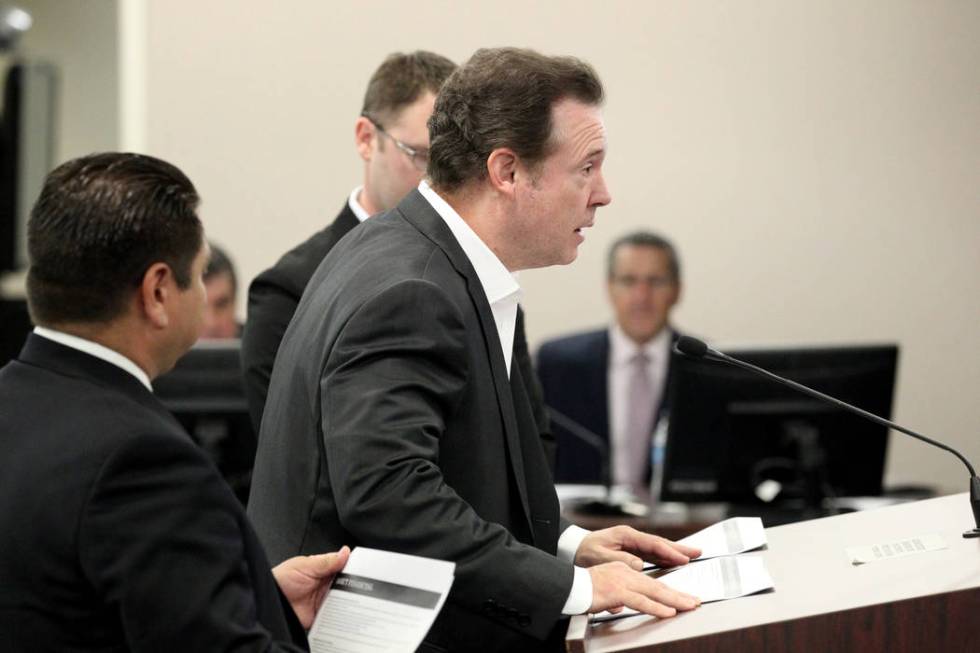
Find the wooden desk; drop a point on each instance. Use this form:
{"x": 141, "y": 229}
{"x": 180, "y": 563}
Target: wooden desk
{"x": 924, "y": 602}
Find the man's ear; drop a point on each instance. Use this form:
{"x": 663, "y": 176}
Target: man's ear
{"x": 502, "y": 170}
{"x": 156, "y": 291}
{"x": 364, "y": 135}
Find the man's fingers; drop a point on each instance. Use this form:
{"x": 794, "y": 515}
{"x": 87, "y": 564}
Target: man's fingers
{"x": 664, "y": 550}
{"x": 671, "y": 597}
{"x": 654, "y": 546}
{"x": 646, "y": 605}
{"x": 631, "y": 560}
{"x": 327, "y": 564}
{"x": 691, "y": 552}
{"x": 616, "y": 585}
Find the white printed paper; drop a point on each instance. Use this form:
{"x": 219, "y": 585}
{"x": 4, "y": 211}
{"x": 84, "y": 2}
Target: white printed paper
{"x": 735, "y": 535}
{"x": 718, "y": 579}
{"x": 728, "y": 537}
{"x": 859, "y": 555}
{"x": 381, "y": 602}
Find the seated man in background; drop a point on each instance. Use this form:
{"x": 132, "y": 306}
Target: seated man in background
{"x": 614, "y": 381}
{"x": 221, "y": 282}
{"x": 116, "y": 532}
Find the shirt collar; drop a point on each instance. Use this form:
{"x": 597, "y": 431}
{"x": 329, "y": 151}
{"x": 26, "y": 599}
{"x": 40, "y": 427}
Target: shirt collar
{"x": 356, "y": 207}
{"x": 97, "y": 350}
{"x": 497, "y": 281}
{"x": 622, "y": 349}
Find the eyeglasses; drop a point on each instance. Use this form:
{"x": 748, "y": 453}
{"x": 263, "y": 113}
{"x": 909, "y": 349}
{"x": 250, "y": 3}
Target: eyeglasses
{"x": 654, "y": 283}
{"x": 419, "y": 156}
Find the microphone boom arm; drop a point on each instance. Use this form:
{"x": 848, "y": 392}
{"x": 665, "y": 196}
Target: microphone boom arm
{"x": 717, "y": 355}
{"x": 694, "y": 348}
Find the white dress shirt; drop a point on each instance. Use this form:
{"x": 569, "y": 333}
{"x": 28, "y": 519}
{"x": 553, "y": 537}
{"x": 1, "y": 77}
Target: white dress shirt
{"x": 355, "y": 205}
{"x": 622, "y": 351}
{"x": 504, "y": 294}
{"x": 501, "y": 287}
{"x": 97, "y": 350}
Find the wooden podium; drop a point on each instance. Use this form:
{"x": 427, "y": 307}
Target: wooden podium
{"x": 927, "y": 601}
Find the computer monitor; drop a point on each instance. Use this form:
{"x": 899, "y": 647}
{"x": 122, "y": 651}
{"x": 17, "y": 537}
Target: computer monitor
{"x": 205, "y": 392}
{"x": 730, "y": 430}
{"x": 15, "y": 325}
{"x": 28, "y": 120}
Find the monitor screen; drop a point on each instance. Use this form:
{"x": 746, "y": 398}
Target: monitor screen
{"x": 28, "y": 115}
{"x": 15, "y": 324}
{"x": 205, "y": 392}
{"x": 733, "y": 435}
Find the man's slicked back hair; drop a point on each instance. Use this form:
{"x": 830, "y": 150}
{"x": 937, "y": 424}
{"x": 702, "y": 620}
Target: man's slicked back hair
{"x": 502, "y": 98}
{"x": 100, "y": 222}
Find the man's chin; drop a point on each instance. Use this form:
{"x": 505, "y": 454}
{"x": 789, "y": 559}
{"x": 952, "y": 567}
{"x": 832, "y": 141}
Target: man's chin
{"x": 569, "y": 255}
{"x": 644, "y": 334}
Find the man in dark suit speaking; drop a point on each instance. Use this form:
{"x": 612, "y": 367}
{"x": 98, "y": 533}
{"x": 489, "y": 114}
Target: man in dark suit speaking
{"x": 116, "y": 531}
{"x": 616, "y": 381}
{"x": 396, "y": 416}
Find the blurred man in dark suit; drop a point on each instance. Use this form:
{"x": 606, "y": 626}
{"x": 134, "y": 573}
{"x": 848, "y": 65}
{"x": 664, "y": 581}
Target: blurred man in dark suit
{"x": 615, "y": 381}
{"x": 116, "y": 531}
{"x": 398, "y": 414}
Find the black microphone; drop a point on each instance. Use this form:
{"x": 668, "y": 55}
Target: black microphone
{"x": 605, "y": 506}
{"x": 694, "y": 348}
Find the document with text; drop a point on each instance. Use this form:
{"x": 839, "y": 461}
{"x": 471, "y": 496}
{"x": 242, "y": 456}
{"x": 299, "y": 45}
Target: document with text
{"x": 729, "y": 537}
{"x": 717, "y": 579}
{"x": 381, "y": 602}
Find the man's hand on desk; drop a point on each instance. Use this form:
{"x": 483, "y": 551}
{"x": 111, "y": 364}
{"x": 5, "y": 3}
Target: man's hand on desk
{"x": 615, "y": 585}
{"x": 628, "y": 545}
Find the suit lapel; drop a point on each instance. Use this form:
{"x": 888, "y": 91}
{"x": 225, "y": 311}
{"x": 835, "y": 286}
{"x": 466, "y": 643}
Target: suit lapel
{"x": 600, "y": 382}
{"x": 542, "y": 500}
{"x": 420, "y": 213}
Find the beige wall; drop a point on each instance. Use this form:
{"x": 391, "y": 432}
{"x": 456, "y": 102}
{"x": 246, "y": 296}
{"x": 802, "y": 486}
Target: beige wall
{"x": 816, "y": 162}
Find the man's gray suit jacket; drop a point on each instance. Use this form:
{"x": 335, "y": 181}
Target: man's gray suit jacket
{"x": 391, "y": 423}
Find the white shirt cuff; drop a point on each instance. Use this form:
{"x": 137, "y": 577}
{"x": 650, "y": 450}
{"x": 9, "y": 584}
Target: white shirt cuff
{"x": 580, "y": 598}
{"x": 569, "y": 542}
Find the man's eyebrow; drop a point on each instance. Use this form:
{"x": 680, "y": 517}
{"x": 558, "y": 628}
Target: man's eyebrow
{"x": 595, "y": 152}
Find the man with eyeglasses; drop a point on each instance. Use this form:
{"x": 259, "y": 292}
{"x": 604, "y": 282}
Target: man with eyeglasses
{"x": 615, "y": 381}
{"x": 392, "y": 139}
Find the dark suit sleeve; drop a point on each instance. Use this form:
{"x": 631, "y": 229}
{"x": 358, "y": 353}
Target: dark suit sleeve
{"x": 270, "y": 308}
{"x": 389, "y": 387}
{"x": 160, "y": 545}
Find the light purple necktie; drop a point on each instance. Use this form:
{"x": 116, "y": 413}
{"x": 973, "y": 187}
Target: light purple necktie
{"x": 639, "y": 423}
